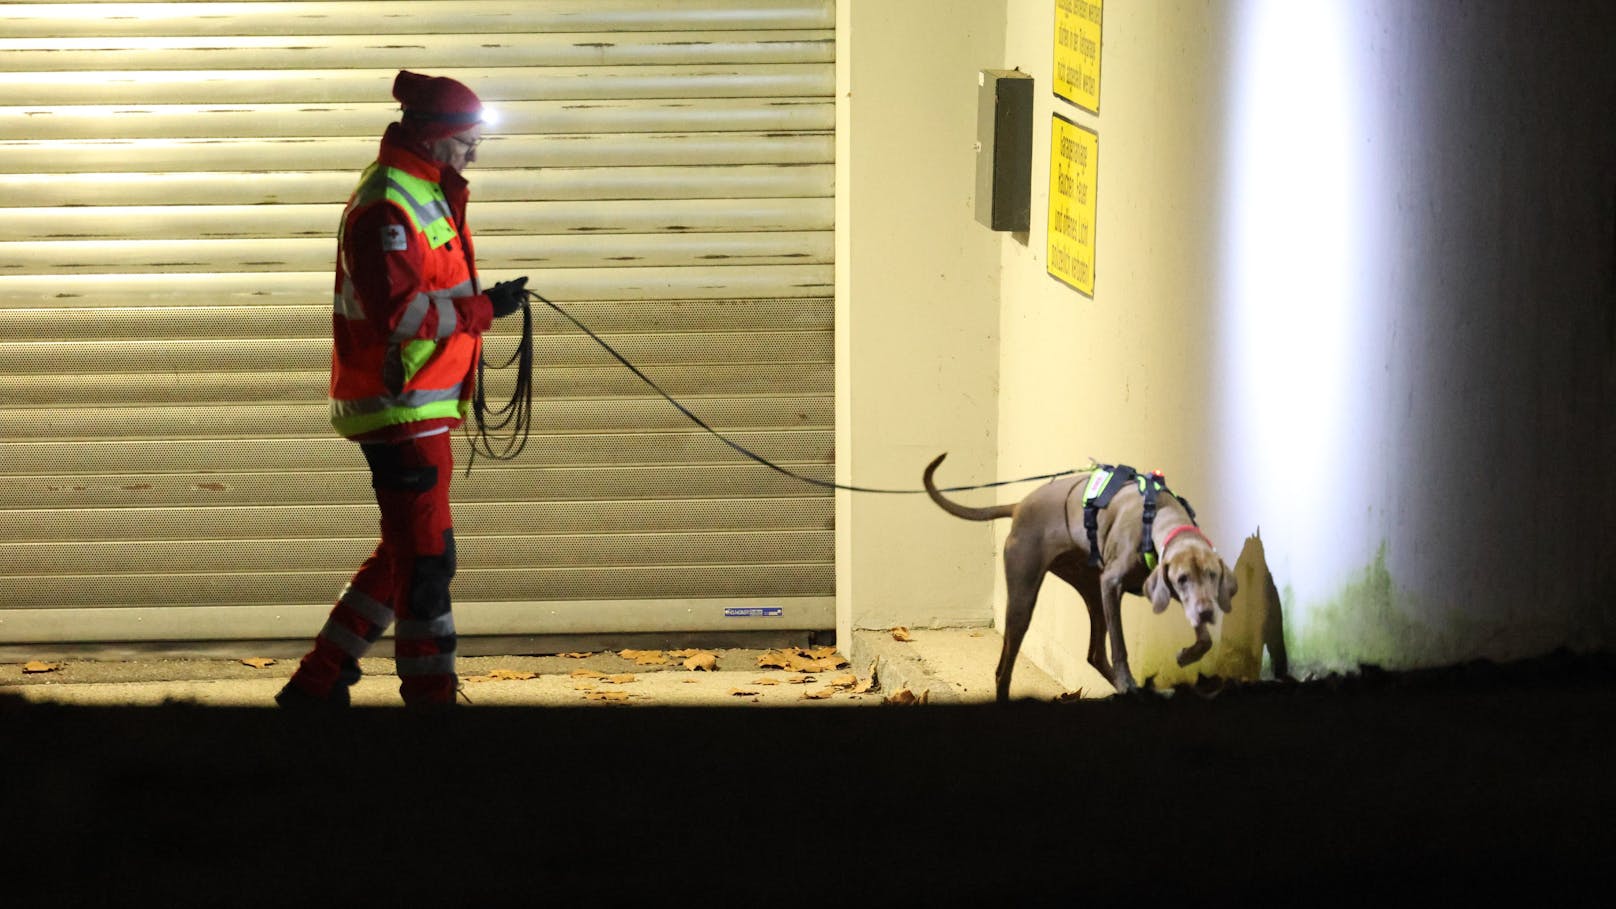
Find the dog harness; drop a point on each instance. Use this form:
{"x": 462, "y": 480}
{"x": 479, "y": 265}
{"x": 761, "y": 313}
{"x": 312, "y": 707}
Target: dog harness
{"x": 1109, "y": 479}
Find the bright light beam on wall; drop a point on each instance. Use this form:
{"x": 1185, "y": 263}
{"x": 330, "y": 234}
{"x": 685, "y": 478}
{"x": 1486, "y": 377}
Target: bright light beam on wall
{"x": 1300, "y": 381}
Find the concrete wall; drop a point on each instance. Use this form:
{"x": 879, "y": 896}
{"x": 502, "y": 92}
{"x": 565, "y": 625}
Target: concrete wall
{"x": 1417, "y": 281}
{"x": 1355, "y": 288}
{"x": 917, "y": 311}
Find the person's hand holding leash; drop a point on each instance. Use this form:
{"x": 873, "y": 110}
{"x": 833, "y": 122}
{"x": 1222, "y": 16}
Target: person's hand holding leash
{"x": 507, "y": 296}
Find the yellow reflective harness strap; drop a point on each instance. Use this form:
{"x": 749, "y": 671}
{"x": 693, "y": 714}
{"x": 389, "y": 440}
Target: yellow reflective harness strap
{"x": 1097, "y": 481}
{"x": 1103, "y": 485}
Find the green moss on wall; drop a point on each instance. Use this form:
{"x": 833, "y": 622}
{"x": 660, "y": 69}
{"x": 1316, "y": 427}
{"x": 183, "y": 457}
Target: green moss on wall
{"x": 1369, "y": 621}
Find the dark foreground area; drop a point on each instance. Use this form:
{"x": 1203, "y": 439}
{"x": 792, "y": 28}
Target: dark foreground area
{"x": 1376, "y": 788}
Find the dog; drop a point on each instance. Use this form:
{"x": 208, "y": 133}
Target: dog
{"x": 1047, "y": 534}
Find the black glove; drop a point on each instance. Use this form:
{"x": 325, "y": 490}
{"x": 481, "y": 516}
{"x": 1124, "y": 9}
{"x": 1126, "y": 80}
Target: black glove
{"x": 507, "y": 296}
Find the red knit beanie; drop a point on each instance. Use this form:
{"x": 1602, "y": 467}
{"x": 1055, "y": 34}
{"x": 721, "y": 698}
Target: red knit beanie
{"x": 435, "y": 106}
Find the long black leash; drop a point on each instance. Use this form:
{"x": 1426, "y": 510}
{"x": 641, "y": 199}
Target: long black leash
{"x": 525, "y": 351}
{"x": 517, "y": 413}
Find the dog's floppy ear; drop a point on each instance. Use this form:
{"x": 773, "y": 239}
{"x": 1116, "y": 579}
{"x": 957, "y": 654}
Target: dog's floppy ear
{"x": 1227, "y": 588}
{"x": 1157, "y": 588}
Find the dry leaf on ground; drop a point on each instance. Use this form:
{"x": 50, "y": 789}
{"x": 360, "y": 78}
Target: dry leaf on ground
{"x": 818, "y": 695}
{"x": 644, "y": 657}
{"x": 576, "y": 655}
{"x": 765, "y": 681}
{"x": 583, "y": 685}
{"x": 902, "y": 697}
{"x": 588, "y": 674}
{"x": 864, "y": 686}
{"x": 796, "y": 659}
{"x": 607, "y": 696}
{"x": 701, "y": 661}
{"x": 741, "y": 693}
{"x": 687, "y": 652}
{"x": 621, "y": 678}
{"x": 901, "y": 634}
{"x": 844, "y": 681}
{"x": 40, "y": 666}
{"x": 258, "y": 662}
{"x": 513, "y": 675}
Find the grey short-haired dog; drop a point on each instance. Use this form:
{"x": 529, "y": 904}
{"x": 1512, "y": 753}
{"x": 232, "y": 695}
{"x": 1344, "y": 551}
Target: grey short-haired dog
{"x": 1047, "y": 534}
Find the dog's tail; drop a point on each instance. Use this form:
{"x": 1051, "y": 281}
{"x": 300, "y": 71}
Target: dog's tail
{"x": 956, "y": 509}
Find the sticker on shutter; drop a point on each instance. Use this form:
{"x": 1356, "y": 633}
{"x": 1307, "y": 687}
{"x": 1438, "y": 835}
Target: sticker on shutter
{"x": 394, "y": 239}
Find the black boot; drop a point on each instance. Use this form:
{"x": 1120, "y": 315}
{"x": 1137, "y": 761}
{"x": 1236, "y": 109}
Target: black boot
{"x": 348, "y": 674}
{"x": 292, "y": 697}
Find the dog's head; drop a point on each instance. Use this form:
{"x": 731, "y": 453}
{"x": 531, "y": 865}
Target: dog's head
{"x": 1197, "y": 577}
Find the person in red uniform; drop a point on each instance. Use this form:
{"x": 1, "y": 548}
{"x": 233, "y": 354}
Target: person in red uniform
{"x": 407, "y": 322}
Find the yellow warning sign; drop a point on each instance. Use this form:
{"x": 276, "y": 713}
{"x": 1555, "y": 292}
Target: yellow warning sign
{"x": 1074, "y": 174}
{"x": 1077, "y": 52}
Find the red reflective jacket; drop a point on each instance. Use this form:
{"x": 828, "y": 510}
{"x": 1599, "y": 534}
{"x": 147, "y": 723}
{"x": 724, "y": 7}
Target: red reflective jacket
{"x": 407, "y": 314}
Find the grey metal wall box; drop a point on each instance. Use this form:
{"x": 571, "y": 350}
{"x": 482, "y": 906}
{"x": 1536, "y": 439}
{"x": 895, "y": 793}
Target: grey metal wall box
{"x": 1004, "y": 149}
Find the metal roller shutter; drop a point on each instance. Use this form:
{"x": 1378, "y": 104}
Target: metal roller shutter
{"x": 171, "y": 175}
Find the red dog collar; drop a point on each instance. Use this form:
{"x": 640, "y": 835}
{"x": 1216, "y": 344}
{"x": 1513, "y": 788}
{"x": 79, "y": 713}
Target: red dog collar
{"x": 1180, "y": 529}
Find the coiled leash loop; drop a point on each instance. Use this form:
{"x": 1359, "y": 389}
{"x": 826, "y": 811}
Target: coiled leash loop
{"x": 826, "y": 484}
{"x": 517, "y": 413}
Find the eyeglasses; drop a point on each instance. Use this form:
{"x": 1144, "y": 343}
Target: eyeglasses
{"x": 470, "y": 146}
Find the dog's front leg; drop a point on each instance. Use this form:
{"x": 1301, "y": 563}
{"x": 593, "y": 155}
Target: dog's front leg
{"x": 1087, "y": 586}
{"x": 1111, "y": 598}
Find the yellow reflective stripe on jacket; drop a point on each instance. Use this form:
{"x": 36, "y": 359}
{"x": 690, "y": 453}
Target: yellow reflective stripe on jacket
{"x": 425, "y": 202}
{"x": 353, "y": 418}
{"x": 415, "y": 354}
{"x": 422, "y": 200}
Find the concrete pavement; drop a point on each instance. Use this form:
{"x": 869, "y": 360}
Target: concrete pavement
{"x": 950, "y": 665}
{"x": 935, "y": 666}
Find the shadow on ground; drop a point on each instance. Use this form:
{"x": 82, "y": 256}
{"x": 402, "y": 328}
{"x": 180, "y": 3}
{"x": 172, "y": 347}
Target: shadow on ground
{"x": 1369, "y": 788}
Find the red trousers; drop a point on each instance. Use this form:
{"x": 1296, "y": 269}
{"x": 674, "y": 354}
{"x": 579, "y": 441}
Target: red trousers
{"x": 405, "y": 579}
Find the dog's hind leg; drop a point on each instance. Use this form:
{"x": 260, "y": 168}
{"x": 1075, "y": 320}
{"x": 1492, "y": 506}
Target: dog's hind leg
{"x": 1023, "y": 575}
